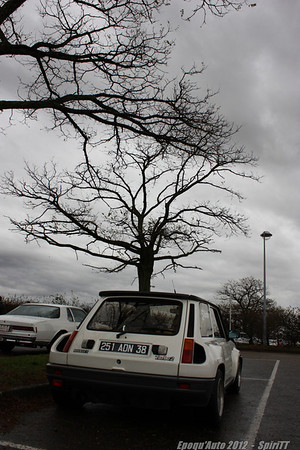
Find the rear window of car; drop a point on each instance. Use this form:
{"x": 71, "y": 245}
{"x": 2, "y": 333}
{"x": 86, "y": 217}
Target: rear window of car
{"x": 137, "y": 316}
{"x": 49, "y": 312}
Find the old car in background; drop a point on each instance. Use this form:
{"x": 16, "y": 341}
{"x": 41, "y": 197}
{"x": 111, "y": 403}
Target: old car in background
{"x": 37, "y": 324}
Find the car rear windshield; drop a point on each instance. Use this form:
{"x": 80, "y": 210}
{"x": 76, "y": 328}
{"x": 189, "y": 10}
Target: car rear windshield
{"x": 49, "y": 312}
{"x": 137, "y": 316}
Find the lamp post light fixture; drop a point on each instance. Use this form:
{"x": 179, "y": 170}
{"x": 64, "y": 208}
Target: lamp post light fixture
{"x": 265, "y": 235}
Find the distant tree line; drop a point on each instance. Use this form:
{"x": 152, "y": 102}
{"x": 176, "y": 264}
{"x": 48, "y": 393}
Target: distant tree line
{"x": 8, "y": 303}
{"x": 242, "y": 305}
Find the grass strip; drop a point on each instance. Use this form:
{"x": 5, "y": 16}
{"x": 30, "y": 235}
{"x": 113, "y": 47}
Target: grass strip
{"x": 23, "y": 370}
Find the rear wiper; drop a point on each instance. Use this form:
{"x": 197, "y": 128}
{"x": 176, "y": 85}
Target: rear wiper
{"x": 122, "y": 332}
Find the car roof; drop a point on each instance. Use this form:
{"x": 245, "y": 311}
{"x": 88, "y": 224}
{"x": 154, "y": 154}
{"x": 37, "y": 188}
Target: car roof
{"x": 50, "y": 304}
{"x": 43, "y": 304}
{"x": 39, "y": 304}
{"x": 169, "y": 295}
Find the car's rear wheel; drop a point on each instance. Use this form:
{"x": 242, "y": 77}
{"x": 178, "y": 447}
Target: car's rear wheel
{"x": 216, "y": 404}
{"x": 67, "y": 399}
{"x": 236, "y": 385}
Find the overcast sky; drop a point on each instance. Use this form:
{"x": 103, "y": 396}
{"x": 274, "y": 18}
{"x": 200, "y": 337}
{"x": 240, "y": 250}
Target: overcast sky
{"x": 252, "y": 59}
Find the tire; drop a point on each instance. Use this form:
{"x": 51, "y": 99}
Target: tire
{"x": 236, "y": 385}
{"x": 68, "y": 400}
{"x": 216, "y": 404}
{"x": 7, "y": 347}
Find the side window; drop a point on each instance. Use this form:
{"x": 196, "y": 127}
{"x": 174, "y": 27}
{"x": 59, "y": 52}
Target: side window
{"x": 205, "y": 321}
{"x": 217, "y": 324}
{"x": 70, "y": 317}
{"x": 78, "y": 314}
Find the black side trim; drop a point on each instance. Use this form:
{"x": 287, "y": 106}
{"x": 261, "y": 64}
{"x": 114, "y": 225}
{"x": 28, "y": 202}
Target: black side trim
{"x": 199, "y": 354}
{"x": 190, "y": 330}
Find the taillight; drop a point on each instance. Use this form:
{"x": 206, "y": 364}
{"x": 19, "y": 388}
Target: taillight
{"x": 184, "y": 386}
{"x": 57, "y": 383}
{"x": 188, "y": 350}
{"x": 22, "y": 328}
{"x": 69, "y": 341}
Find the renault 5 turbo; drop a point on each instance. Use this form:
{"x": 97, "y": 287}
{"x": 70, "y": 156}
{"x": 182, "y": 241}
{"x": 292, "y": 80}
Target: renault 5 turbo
{"x": 147, "y": 349}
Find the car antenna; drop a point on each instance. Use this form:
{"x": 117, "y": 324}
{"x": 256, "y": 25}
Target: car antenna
{"x": 174, "y": 287}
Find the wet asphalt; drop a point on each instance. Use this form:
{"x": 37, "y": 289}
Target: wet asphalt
{"x": 264, "y": 416}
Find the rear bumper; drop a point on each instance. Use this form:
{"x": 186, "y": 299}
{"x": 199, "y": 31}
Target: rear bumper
{"x": 18, "y": 339}
{"x": 129, "y": 388}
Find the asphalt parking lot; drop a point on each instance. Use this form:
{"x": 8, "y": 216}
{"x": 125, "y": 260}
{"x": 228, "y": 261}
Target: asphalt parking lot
{"x": 265, "y": 416}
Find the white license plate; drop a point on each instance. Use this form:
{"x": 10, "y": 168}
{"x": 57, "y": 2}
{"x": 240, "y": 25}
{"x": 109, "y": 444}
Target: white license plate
{"x": 122, "y": 347}
{"x": 4, "y": 327}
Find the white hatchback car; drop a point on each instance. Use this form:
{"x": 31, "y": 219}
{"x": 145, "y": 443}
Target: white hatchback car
{"x": 147, "y": 349}
{"x": 37, "y": 324}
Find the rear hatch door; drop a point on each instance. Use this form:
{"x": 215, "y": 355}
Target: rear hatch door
{"x": 133, "y": 334}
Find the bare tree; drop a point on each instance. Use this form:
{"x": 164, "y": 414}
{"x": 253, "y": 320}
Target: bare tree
{"x": 148, "y": 206}
{"x": 247, "y": 292}
{"x": 91, "y": 62}
{"x": 290, "y": 329}
{"x": 245, "y": 298}
{"x": 103, "y": 62}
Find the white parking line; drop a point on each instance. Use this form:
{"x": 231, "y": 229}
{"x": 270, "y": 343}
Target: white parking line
{"x": 17, "y": 446}
{"x": 254, "y": 427}
{"x": 255, "y": 379}
{"x": 260, "y": 359}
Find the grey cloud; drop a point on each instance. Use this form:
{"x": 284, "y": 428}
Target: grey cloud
{"x": 252, "y": 57}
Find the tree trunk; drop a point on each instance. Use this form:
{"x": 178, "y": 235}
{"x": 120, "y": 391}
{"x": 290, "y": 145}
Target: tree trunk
{"x": 145, "y": 270}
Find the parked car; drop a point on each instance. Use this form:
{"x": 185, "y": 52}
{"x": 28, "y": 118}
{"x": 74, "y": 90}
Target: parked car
{"x": 243, "y": 339}
{"x": 37, "y": 324}
{"x": 147, "y": 349}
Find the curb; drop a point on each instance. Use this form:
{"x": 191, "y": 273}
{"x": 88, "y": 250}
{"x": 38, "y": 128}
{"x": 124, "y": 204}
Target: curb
{"x": 24, "y": 391}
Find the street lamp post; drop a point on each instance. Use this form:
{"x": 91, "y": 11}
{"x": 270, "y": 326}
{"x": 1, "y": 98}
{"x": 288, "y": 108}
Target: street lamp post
{"x": 265, "y": 235}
